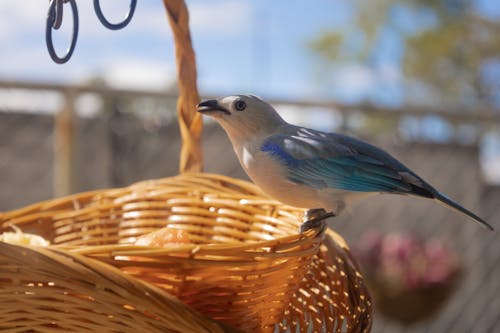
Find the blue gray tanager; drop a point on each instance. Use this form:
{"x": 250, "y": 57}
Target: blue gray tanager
{"x": 311, "y": 169}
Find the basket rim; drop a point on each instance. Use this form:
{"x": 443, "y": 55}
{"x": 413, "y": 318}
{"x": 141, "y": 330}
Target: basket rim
{"x": 281, "y": 246}
{"x": 183, "y": 179}
{"x": 282, "y": 243}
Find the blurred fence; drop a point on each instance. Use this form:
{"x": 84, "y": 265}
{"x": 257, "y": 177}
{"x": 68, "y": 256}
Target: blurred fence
{"x": 133, "y": 136}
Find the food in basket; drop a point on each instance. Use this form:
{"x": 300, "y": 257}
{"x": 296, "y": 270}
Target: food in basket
{"x": 159, "y": 238}
{"x": 139, "y": 266}
{"x": 21, "y": 238}
{"x": 163, "y": 237}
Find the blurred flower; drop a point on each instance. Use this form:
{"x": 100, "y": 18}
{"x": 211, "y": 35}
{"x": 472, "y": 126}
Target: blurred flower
{"x": 409, "y": 278}
{"x": 406, "y": 261}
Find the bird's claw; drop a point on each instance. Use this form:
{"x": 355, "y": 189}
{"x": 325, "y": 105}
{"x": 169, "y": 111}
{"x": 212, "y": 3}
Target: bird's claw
{"x": 315, "y": 219}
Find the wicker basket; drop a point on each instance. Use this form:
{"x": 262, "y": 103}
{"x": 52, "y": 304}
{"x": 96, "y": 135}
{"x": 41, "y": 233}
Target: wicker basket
{"x": 246, "y": 265}
{"x": 49, "y": 290}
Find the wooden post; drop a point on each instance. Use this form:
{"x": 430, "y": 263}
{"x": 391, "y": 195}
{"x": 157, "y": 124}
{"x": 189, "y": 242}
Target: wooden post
{"x": 64, "y": 147}
{"x": 190, "y": 122}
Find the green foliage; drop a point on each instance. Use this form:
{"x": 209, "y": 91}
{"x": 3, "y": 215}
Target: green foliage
{"x": 328, "y": 44}
{"x": 446, "y": 58}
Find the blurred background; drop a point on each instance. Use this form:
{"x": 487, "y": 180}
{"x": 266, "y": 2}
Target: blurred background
{"x": 420, "y": 78}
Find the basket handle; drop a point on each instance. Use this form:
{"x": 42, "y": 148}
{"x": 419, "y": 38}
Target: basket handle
{"x": 190, "y": 122}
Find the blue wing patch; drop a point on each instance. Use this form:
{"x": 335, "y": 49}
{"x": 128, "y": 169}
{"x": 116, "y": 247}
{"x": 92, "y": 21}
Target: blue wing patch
{"x": 275, "y": 150}
{"x": 335, "y": 168}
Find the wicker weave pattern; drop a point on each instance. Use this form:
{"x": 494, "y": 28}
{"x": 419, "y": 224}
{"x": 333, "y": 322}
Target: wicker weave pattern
{"x": 246, "y": 261}
{"x": 47, "y": 290}
{"x": 320, "y": 300}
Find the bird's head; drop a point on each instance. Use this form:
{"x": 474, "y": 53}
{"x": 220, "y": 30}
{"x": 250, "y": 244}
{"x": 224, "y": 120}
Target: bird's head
{"x": 242, "y": 115}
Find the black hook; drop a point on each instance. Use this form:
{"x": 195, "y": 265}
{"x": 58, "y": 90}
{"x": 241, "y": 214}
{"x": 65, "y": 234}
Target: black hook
{"x": 114, "y": 26}
{"x": 55, "y": 18}
{"x": 54, "y": 21}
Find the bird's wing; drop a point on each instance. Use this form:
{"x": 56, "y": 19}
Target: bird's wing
{"x": 324, "y": 160}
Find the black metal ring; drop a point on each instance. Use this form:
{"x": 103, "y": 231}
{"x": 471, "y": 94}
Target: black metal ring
{"x": 114, "y": 26}
{"x": 51, "y": 20}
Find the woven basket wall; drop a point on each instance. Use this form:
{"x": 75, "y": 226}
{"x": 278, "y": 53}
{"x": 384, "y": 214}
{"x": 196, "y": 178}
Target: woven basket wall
{"x": 246, "y": 266}
{"x": 49, "y": 290}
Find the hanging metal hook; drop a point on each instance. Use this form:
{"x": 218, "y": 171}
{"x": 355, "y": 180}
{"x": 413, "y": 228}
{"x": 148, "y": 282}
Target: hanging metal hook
{"x": 114, "y": 26}
{"x": 55, "y": 18}
{"x": 54, "y": 21}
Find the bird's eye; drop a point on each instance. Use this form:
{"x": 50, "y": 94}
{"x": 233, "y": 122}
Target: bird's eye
{"x": 240, "y": 105}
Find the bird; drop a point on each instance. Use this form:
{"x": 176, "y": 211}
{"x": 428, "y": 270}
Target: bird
{"x": 311, "y": 169}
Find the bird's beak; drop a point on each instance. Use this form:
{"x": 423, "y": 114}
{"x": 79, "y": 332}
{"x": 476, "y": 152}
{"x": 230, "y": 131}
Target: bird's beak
{"x": 210, "y": 106}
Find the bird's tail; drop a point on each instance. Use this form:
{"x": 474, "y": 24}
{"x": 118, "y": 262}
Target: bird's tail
{"x": 441, "y": 198}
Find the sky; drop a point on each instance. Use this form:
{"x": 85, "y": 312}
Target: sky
{"x": 256, "y": 46}
{"x": 241, "y": 45}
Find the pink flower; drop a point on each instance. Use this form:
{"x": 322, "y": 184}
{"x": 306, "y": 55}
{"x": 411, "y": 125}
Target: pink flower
{"x": 405, "y": 261}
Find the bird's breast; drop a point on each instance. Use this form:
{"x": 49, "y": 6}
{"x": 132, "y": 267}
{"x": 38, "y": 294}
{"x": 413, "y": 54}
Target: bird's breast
{"x": 272, "y": 177}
